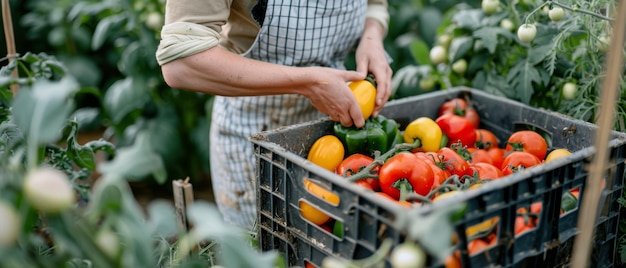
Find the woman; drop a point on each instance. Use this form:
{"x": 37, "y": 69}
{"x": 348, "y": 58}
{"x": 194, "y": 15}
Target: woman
{"x": 270, "y": 63}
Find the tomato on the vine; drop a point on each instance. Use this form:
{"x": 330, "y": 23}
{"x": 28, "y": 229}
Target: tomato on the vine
{"x": 479, "y": 155}
{"x": 486, "y": 171}
{"x": 528, "y": 141}
{"x": 457, "y": 128}
{"x": 486, "y": 139}
{"x": 407, "y": 254}
{"x": 460, "y": 107}
{"x": 356, "y": 162}
{"x": 517, "y": 160}
{"x": 497, "y": 155}
{"x": 569, "y": 90}
{"x": 556, "y": 14}
{"x": 405, "y": 170}
{"x": 451, "y": 161}
{"x": 438, "y": 54}
{"x": 439, "y": 174}
{"x": 526, "y": 32}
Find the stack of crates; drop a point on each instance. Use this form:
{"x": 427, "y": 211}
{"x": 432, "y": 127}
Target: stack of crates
{"x": 368, "y": 218}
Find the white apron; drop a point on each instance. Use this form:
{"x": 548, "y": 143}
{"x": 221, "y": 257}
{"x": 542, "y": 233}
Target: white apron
{"x": 294, "y": 33}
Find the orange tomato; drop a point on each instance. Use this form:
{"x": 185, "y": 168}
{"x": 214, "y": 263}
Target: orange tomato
{"x": 311, "y": 213}
{"x": 485, "y": 139}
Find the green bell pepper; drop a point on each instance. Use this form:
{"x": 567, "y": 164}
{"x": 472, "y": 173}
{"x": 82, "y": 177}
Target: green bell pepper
{"x": 378, "y": 134}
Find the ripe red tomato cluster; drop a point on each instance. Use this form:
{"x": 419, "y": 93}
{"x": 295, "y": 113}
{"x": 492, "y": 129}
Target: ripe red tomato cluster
{"x": 468, "y": 156}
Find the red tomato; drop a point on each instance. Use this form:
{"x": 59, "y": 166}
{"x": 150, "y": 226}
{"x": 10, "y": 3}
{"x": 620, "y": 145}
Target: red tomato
{"x": 353, "y": 164}
{"x": 476, "y": 246}
{"x": 458, "y": 129}
{"x": 451, "y": 161}
{"x": 516, "y": 160}
{"x": 523, "y": 224}
{"x": 528, "y": 141}
{"x": 440, "y": 175}
{"x": 485, "y": 139}
{"x": 486, "y": 171}
{"x": 415, "y": 172}
{"x": 458, "y": 106}
{"x": 479, "y": 156}
{"x": 497, "y": 155}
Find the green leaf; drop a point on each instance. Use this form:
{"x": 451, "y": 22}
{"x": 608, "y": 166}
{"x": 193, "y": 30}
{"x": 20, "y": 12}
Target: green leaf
{"x": 42, "y": 111}
{"x": 478, "y": 61}
{"x": 420, "y": 52}
{"x": 469, "y": 19}
{"x": 161, "y": 218}
{"x": 102, "y": 30}
{"x": 434, "y": 229}
{"x": 123, "y": 97}
{"x": 235, "y": 250}
{"x": 136, "y": 162}
{"x": 489, "y": 36}
{"x": 459, "y": 47}
{"x": 521, "y": 78}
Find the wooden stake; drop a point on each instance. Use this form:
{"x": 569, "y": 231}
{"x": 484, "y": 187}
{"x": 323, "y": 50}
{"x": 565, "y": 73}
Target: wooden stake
{"x": 183, "y": 198}
{"x": 587, "y": 216}
{"x": 10, "y": 40}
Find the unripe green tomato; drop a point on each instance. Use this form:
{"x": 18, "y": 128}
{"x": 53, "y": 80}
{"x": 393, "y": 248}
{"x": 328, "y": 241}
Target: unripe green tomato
{"x": 507, "y": 24}
{"x": 444, "y": 40}
{"x": 10, "y": 225}
{"x": 108, "y": 242}
{"x": 427, "y": 83}
{"x": 438, "y": 54}
{"x": 569, "y": 90}
{"x": 526, "y": 32}
{"x": 556, "y": 14}
{"x": 154, "y": 21}
{"x": 459, "y": 66}
{"x": 603, "y": 42}
{"x": 49, "y": 190}
{"x": 490, "y": 6}
{"x": 407, "y": 255}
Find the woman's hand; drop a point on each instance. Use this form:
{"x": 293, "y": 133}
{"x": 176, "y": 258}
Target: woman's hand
{"x": 329, "y": 93}
{"x": 371, "y": 58}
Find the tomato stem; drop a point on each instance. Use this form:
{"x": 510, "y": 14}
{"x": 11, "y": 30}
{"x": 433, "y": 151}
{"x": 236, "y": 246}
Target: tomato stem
{"x": 379, "y": 160}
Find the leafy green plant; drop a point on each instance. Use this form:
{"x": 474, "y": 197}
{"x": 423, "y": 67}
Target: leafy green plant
{"x": 569, "y": 49}
{"x": 123, "y": 93}
{"x": 42, "y": 226}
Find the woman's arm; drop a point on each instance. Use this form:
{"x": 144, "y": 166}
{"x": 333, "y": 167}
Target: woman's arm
{"x": 220, "y": 72}
{"x": 372, "y": 58}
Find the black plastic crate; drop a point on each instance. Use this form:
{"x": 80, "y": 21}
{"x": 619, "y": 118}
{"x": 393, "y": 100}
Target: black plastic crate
{"x": 369, "y": 218}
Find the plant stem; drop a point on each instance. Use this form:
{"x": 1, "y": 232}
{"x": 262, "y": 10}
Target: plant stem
{"x": 584, "y": 11}
{"x": 10, "y": 40}
{"x": 379, "y": 160}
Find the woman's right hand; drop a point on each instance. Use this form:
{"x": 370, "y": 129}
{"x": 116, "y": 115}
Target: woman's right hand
{"x": 329, "y": 93}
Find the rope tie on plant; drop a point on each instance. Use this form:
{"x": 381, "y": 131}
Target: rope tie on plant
{"x": 10, "y": 39}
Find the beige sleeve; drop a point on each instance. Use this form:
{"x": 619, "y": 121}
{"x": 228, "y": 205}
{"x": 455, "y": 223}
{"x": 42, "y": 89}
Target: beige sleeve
{"x": 378, "y": 10}
{"x": 191, "y": 26}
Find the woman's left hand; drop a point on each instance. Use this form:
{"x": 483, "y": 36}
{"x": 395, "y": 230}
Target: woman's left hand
{"x": 372, "y": 58}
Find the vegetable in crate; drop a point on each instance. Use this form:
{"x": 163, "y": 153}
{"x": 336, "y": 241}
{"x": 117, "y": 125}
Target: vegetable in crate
{"x": 327, "y": 152}
{"x": 365, "y": 93}
{"x": 379, "y": 134}
{"x": 427, "y": 132}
